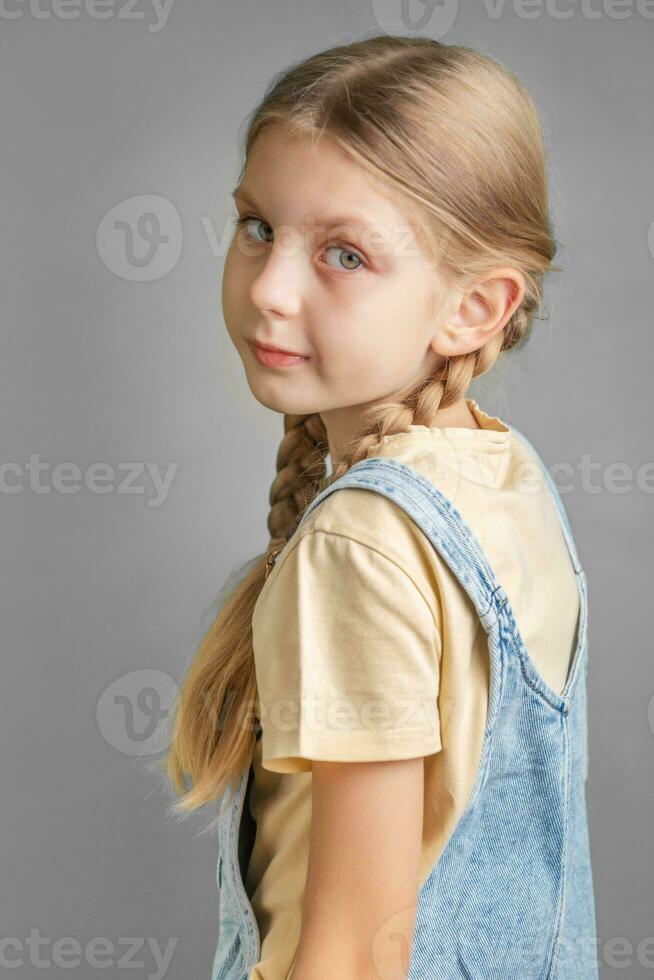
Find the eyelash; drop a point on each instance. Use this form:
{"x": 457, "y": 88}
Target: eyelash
{"x": 345, "y": 248}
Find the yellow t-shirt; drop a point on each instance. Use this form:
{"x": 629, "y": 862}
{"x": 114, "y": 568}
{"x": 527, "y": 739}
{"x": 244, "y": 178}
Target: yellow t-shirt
{"x": 368, "y": 648}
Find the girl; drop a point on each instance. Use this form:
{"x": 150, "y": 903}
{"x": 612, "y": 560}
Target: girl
{"x": 411, "y": 649}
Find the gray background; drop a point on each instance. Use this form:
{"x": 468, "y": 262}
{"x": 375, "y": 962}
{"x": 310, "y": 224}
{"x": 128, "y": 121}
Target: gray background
{"x": 99, "y": 367}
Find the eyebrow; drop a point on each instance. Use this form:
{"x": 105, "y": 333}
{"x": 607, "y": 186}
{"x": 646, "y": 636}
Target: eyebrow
{"x": 328, "y": 220}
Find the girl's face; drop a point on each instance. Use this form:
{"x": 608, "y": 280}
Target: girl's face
{"x": 325, "y": 265}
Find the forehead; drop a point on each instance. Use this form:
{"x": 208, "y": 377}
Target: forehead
{"x": 299, "y": 181}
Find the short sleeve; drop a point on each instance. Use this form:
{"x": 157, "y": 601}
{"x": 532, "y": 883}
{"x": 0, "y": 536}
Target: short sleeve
{"x": 346, "y": 655}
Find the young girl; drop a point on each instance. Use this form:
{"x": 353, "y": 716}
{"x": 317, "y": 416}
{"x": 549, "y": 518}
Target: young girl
{"x": 412, "y": 648}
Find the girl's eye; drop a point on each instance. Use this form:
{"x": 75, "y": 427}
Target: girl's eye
{"x": 241, "y": 222}
{"x": 341, "y": 250}
{"x": 348, "y": 255}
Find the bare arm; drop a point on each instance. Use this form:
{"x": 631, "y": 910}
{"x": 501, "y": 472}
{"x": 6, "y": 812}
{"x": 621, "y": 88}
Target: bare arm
{"x": 360, "y": 899}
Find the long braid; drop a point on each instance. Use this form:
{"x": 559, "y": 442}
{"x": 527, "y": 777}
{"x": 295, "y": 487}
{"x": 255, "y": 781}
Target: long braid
{"x": 300, "y": 469}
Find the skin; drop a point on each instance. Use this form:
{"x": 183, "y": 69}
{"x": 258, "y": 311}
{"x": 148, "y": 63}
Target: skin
{"x": 326, "y": 263}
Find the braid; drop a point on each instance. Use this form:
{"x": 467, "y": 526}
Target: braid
{"x": 518, "y": 329}
{"x": 300, "y": 469}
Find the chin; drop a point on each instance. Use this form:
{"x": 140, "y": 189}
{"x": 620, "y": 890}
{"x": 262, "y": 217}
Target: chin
{"x": 283, "y": 402}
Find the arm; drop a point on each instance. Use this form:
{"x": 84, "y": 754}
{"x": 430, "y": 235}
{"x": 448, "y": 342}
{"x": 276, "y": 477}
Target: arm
{"x": 361, "y": 893}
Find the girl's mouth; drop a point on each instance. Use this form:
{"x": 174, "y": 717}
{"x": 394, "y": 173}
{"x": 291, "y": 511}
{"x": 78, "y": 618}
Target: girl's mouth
{"x": 275, "y": 358}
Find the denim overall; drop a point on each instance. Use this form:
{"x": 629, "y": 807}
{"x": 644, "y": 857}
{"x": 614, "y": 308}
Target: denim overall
{"x": 511, "y": 895}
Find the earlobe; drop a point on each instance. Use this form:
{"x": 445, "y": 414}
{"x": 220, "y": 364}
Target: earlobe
{"x": 447, "y": 342}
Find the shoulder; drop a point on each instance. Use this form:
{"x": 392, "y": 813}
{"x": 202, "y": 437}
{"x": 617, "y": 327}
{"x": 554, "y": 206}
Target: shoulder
{"x": 369, "y": 519}
{"x": 360, "y": 540}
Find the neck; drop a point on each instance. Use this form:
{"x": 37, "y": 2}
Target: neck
{"x": 342, "y": 424}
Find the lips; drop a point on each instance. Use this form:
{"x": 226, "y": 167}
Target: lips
{"x": 275, "y": 358}
{"x": 277, "y": 350}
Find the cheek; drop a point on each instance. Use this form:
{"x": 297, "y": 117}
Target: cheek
{"x": 233, "y": 289}
{"x": 372, "y": 364}
{"x": 360, "y": 356}
{"x": 342, "y": 342}
{"x": 379, "y": 330}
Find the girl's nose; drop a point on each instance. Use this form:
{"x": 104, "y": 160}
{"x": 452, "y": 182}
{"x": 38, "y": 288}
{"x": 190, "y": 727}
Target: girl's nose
{"x": 281, "y": 280}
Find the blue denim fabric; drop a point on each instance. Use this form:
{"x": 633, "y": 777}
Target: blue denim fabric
{"x": 511, "y": 896}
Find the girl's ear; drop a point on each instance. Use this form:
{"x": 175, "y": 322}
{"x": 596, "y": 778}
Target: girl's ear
{"x": 476, "y": 316}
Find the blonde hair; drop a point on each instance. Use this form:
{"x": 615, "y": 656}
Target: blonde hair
{"x": 456, "y": 136}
